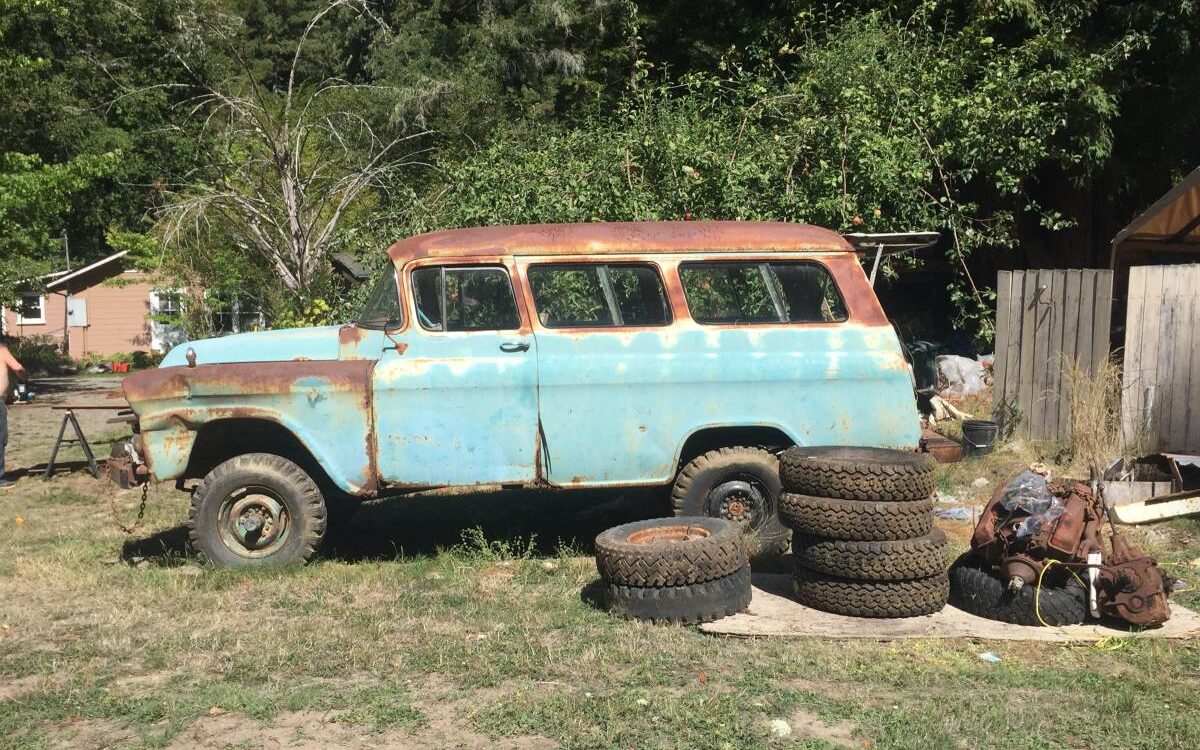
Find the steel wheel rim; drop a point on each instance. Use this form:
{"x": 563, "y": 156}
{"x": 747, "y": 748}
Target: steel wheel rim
{"x": 740, "y": 498}
{"x": 253, "y": 522}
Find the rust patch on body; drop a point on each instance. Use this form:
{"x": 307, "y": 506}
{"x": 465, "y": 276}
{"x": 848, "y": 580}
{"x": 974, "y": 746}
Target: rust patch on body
{"x": 349, "y": 335}
{"x": 180, "y": 384}
{"x": 604, "y": 238}
{"x": 246, "y": 377}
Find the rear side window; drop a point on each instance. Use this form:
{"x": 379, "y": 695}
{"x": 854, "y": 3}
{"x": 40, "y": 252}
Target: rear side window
{"x": 598, "y": 295}
{"x": 465, "y": 299}
{"x": 741, "y": 292}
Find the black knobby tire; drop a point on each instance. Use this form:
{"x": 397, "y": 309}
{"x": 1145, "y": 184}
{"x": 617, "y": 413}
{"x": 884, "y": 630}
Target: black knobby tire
{"x": 975, "y": 589}
{"x": 895, "y": 560}
{"x": 862, "y": 520}
{"x": 692, "y": 493}
{"x": 844, "y": 596}
{"x": 857, "y": 473}
{"x": 697, "y": 603}
{"x": 670, "y": 551}
{"x": 241, "y": 481}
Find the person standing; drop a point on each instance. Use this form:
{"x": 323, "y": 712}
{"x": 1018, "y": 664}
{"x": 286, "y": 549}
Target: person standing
{"x": 8, "y": 383}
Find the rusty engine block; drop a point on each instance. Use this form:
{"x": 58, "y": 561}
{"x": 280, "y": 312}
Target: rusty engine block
{"x": 1030, "y": 522}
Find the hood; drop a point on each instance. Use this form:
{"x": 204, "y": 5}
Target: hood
{"x": 261, "y": 346}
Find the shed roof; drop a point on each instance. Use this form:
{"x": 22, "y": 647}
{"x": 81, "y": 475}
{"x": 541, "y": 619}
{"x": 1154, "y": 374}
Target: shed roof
{"x": 610, "y": 238}
{"x": 87, "y": 269}
{"x": 1172, "y": 223}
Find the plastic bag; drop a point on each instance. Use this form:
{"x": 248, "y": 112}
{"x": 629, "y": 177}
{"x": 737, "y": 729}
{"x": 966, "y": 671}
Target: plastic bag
{"x": 1027, "y": 492}
{"x": 962, "y": 376}
{"x": 1034, "y": 524}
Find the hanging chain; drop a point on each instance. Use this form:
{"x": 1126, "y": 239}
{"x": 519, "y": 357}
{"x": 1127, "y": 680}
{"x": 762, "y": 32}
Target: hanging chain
{"x": 140, "y": 514}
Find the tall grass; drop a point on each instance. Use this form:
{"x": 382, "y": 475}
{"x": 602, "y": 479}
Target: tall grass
{"x": 1097, "y": 433}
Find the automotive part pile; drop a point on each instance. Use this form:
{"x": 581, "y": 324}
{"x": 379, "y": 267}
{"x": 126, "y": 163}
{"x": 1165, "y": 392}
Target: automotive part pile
{"x": 863, "y": 542}
{"x": 689, "y": 569}
{"x": 1037, "y": 557}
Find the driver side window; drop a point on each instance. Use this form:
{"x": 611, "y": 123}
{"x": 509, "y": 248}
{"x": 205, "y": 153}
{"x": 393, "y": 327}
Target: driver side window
{"x": 453, "y": 299}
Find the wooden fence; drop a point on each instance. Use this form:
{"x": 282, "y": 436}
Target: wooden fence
{"x": 1160, "y": 397}
{"x": 1043, "y": 320}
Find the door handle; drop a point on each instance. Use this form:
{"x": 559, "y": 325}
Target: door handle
{"x": 514, "y": 346}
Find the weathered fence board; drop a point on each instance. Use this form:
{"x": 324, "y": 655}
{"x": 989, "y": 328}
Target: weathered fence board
{"x": 1045, "y": 319}
{"x": 1160, "y": 397}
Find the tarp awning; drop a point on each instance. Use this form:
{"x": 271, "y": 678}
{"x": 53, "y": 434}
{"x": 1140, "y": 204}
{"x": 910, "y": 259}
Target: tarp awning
{"x": 1171, "y": 224}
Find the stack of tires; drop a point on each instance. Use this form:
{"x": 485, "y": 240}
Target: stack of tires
{"x": 863, "y": 541}
{"x": 690, "y": 569}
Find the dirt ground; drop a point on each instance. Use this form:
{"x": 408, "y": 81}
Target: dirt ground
{"x": 463, "y": 622}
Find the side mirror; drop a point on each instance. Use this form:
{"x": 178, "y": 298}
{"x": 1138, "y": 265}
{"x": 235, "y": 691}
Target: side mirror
{"x": 398, "y": 346}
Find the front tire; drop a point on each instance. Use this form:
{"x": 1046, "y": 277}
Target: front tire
{"x": 257, "y": 510}
{"x": 739, "y": 484}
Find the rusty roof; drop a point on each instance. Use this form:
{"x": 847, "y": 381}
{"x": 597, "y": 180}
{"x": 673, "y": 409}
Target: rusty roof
{"x": 618, "y": 237}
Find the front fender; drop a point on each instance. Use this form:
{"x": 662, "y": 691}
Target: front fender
{"x": 326, "y": 405}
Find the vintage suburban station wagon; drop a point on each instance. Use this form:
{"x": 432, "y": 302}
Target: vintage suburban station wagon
{"x": 680, "y": 354}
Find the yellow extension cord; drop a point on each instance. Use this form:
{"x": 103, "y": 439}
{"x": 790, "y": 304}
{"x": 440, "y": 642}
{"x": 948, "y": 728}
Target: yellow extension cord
{"x": 1107, "y": 643}
{"x": 1037, "y": 594}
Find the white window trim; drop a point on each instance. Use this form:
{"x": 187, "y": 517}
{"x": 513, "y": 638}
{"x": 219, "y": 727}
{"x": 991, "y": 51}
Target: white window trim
{"x": 39, "y": 321}
{"x": 158, "y": 331}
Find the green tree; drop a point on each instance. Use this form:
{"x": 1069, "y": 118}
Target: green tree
{"x": 34, "y": 200}
{"x": 287, "y": 164}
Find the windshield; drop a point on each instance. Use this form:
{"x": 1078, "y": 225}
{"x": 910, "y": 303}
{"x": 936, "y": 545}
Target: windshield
{"x": 382, "y": 309}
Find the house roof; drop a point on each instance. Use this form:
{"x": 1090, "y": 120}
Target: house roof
{"x": 1172, "y": 223}
{"x": 87, "y": 269}
{"x": 607, "y": 238}
{"x": 348, "y": 264}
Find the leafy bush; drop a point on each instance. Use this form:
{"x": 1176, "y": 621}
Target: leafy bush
{"x": 40, "y": 354}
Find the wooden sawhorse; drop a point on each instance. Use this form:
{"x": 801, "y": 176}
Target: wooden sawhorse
{"x": 69, "y": 418}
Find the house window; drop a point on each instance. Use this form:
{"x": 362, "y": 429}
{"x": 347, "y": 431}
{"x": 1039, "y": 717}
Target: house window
{"x": 170, "y": 304}
{"x": 233, "y": 314}
{"x": 33, "y": 309}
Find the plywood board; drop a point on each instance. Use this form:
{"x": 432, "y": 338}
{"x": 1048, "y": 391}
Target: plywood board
{"x": 1015, "y": 321}
{"x": 1069, "y": 348}
{"x": 1047, "y": 319}
{"x": 1025, "y": 390}
{"x": 772, "y": 612}
{"x": 1003, "y": 335}
{"x": 1161, "y": 376}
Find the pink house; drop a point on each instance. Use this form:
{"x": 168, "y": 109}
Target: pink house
{"x": 101, "y": 309}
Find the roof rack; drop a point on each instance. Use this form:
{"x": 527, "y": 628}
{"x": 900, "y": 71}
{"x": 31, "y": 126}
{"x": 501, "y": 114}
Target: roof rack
{"x": 889, "y": 243}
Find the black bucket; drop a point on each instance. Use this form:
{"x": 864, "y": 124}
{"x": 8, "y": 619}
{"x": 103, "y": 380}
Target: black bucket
{"x": 980, "y": 435}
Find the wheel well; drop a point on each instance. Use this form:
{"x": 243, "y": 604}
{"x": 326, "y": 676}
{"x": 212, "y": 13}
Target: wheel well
{"x": 712, "y": 438}
{"x": 219, "y": 441}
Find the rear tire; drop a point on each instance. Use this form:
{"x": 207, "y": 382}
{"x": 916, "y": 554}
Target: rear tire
{"x": 857, "y": 473}
{"x": 861, "y": 520}
{"x": 874, "y": 561}
{"x": 670, "y": 551}
{"x": 700, "y": 602}
{"x": 257, "y": 510}
{"x": 843, "y": 596}
{"x": 739, "y": 484}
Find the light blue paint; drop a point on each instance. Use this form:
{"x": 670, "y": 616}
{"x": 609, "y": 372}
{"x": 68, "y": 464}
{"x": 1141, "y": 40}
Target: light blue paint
{"x": 454, "y": 409}
{"x": 260, "y": 346}
{"x": 329, "y": 421}
{"x": 615, "y": 407}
